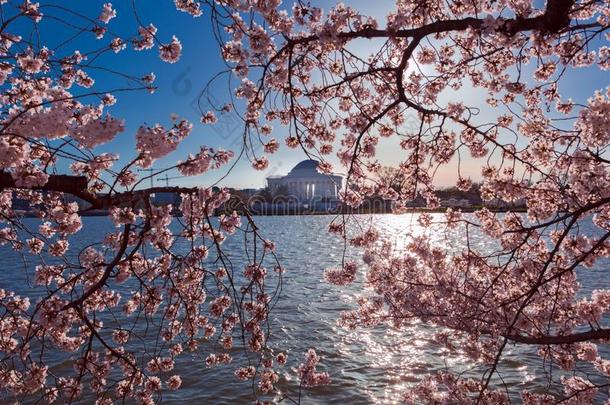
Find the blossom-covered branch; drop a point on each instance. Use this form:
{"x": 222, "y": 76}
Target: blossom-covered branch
{"x": 447, "y": 83}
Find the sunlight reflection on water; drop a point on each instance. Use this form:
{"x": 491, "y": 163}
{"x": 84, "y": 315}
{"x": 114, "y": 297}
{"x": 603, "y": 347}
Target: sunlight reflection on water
{"x": 366, "y": 365}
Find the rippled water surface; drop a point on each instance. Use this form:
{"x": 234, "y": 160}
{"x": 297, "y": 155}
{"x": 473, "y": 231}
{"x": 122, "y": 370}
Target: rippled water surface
{"x": 366, "y": 365}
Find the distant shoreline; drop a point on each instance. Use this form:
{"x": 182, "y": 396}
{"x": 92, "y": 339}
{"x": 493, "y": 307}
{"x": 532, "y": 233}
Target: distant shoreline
{"x": 415, "y": 210}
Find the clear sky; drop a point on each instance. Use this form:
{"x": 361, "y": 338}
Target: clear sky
{"x": 179, "y": 86}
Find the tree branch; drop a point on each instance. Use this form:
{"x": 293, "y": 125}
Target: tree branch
{"x": 77, "y": 186}
{"x": 555, "y": 18}
{"x": 599, "y": 334}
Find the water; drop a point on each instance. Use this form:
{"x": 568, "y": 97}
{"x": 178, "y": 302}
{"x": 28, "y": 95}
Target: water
{"x": 366, "y": 365}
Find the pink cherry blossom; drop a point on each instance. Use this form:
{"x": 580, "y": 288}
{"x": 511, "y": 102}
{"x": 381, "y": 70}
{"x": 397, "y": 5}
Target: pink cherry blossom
{"x": 171, "y": 52}
{"x": 471, "y": 94}
{"x": 308, "y": 373}
{"x": 107, "y": 14}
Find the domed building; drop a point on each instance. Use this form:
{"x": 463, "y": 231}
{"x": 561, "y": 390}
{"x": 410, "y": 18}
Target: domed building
{"x": 305, "y": 183}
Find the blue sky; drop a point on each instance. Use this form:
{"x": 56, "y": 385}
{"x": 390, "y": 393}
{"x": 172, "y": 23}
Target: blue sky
{"x": 179, "y": 86}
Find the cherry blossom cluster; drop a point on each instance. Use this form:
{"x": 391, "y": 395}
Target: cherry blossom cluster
{"x": 531, "y": 144}
{"x": 156, "y": 142}
{"x": 296, "y": 68}
{"x": 87, "y": 303}
{"x": 308, "y": 373}
{"x": 205, "y": 159}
